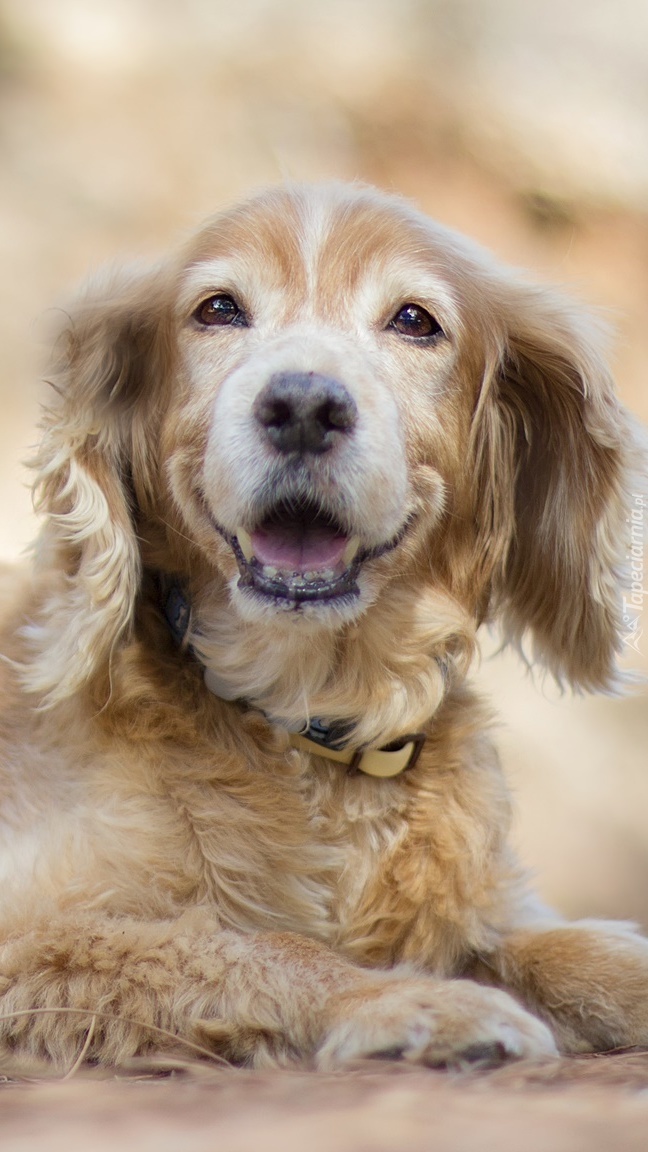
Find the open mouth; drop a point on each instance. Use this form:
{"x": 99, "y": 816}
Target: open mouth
{"x": 299, "y": 553}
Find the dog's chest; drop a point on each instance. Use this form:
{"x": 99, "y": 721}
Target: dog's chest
{"x": 384, "y": 870}
{"x": 364, "y": 822}
{"x": 309, "y": 854}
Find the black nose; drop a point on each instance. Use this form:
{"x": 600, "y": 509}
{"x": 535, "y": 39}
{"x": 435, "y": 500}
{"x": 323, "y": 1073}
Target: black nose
{"x": 304, "y": 412}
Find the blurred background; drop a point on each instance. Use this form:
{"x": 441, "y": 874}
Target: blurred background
{"x": 524, "y": 123}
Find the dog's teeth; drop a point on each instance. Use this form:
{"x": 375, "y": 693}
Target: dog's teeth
{"x": 245, "y": 543}
{"x": 298, "y": 580}
{"x": 328, "y": 574}
{"x": 311, "y": 576}
{"x": 269, "y": 571}
{"x": 350, "y": 551}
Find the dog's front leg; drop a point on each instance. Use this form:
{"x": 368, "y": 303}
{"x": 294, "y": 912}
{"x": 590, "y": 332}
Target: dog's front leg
{"x": 588, "y": 981}
{"x": 115, "y": 988}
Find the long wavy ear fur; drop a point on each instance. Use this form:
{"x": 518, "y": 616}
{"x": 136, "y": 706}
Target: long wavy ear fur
{"x": 88, "y": 550}
{"x": 554, "y": 454}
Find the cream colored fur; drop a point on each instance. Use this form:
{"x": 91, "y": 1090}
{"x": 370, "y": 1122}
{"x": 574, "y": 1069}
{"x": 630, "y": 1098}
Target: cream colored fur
{"x": 168, "y": 860}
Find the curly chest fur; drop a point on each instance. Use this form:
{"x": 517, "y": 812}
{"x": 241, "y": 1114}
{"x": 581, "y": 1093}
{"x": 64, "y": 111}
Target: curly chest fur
{"x": 384, "y": 870}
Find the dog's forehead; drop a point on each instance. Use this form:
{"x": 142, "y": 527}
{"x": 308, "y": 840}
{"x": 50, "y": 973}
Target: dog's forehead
{"x": 325, "y": 243}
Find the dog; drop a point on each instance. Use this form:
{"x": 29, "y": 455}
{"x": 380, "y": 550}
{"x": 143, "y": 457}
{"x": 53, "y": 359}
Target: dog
{"x": 249, "y": 799}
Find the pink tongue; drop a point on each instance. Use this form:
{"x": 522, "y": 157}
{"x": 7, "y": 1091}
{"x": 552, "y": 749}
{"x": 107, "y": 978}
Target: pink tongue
{"x": 295, "y": 550}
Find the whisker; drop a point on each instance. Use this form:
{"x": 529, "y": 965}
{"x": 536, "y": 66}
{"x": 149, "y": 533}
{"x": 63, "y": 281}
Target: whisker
{"x": 177, "y": 531}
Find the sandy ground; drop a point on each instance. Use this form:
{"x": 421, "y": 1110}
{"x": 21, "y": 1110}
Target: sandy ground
{"x": 120, "y": 126}
{"x": 595, "y": 1104}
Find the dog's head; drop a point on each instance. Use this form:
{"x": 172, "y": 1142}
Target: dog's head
{"x": 323, "y": 401}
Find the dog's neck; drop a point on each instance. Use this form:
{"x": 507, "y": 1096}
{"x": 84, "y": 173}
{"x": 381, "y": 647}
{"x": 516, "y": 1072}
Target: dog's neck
{"x": 376, "y": 680}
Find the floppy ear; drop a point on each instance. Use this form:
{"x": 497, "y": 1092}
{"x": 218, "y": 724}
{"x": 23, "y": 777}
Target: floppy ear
{"x": 87, "y": 556}
{"x": 554, "y": 452}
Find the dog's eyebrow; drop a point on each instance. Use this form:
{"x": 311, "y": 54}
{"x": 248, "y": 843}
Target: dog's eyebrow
{"x": 400, "y": 286}
{"x": 428, "y": 289}
{"x": 209, "y": 276}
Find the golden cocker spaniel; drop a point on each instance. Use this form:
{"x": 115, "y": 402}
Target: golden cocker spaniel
{"x": 249, "y": 799}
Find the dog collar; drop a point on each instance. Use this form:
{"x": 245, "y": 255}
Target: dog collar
{"x": 319, "y": 738}
{"x": 382, "y": 763}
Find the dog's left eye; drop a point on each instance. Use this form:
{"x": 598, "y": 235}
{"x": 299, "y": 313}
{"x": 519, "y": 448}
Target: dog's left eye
{"x": 220, "y": 310}
{"x": 412, "y": 320}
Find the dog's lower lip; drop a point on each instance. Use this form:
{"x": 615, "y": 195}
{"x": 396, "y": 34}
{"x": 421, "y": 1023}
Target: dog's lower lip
{"x": 296, "y": 587}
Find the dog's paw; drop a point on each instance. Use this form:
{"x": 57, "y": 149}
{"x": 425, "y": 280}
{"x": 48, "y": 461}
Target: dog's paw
{"x": 434, "y": 1023}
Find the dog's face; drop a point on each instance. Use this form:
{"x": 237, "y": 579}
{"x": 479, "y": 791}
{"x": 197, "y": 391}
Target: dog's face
{"x": 326, "y": 397}
{"x": 322, "y": 419}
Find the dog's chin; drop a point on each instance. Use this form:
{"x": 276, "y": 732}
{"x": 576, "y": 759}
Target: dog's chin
{"x": 260, "y": 607}
{"x": 300, "y": 562}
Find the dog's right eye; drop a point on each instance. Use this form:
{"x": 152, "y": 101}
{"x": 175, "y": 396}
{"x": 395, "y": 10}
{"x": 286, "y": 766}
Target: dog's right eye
{"x": 219, "y": 311}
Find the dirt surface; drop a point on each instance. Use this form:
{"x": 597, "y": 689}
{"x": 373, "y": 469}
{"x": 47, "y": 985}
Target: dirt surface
{"x": 598, "y": 1104}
